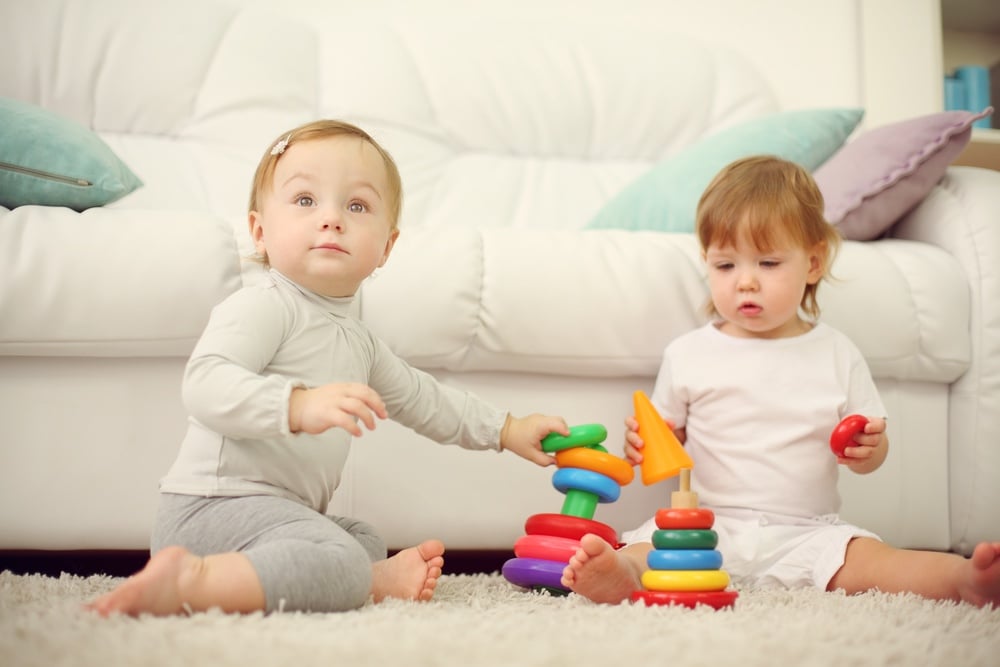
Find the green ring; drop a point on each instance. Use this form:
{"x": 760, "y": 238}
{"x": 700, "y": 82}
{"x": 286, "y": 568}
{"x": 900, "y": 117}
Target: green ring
{"x": 584, "y": 435}
{"x": 685, "y": 539}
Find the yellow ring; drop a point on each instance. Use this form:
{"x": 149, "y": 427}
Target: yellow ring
{"x": 685, "y": 580}
{"x": 610, "y": 465}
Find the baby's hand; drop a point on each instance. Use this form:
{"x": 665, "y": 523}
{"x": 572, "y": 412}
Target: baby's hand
{"x": 868, "y": 449}
{"x": 634, "y": 444}
{"x": 339, "y": 404}
{"x": 523, "y": 436}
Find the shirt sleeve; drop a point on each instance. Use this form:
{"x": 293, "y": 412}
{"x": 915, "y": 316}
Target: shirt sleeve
{"x": 447, "y": 415}
{"x": 863, "y": 396}
{"x": 225, "y": 387}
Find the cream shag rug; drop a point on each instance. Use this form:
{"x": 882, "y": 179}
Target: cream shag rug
{"x": 484, "y": 620}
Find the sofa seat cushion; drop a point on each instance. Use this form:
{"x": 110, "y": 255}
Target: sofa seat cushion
{"x": 115, "y": 283}
{"x": 490, "y": 300}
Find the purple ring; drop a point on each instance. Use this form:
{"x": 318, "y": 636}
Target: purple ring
{"x": 528, "y": 572}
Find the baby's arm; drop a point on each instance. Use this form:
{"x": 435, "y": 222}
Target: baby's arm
{"x": 339, "y": 404}
{"x": 869, "y": 450}
{"x": 523, "y": 436}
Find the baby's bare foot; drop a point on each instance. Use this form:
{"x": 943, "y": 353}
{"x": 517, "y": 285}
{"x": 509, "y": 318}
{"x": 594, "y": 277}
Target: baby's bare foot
{"x": 598, "y": 572}
{"x": 411, "y": 574}
{"x": 155, "y": 589}
{"x": 983, "y": 585}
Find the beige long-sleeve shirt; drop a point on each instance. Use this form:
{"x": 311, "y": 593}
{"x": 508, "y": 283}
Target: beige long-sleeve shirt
{"x": 262, "y": 342}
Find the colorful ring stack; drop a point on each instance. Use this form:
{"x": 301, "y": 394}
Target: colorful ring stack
{"x": 587, "y": 475}
{"x": 684, "y": 565}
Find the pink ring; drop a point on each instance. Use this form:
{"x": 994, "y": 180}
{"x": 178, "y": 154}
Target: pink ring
{"x": 546, "y": 547}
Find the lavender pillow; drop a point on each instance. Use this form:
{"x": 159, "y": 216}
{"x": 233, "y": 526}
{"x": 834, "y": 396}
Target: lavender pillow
{"x": 873, "y": 181}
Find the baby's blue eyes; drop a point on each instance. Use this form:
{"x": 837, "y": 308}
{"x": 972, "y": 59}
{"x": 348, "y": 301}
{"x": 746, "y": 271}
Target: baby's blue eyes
{"x": 307, "y": 202}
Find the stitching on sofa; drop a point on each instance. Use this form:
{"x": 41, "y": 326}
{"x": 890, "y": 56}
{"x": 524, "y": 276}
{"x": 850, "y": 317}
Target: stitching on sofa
{"x": 975, "y": 275}
{"x": 474, "y": 335}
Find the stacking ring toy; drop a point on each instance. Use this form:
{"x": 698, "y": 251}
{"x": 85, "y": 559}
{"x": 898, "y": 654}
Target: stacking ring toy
{"x": 682, "y": 559}
{"x": 685, "y": 539}
{"x": 610, "y": 465}
{"x": 714, "y": 599}
{"x": 606, "y": 489}
{"x": 844, "y": 432}
{"x": 547, "y": 547}
{"x": 685, "y": 580}
{"x": 572, "y": 527}
{"x": 579, "y": 436}
{"x": 580, "y": 503}
{"x": 685, "y": 518}
{"x": 528, "y": 572}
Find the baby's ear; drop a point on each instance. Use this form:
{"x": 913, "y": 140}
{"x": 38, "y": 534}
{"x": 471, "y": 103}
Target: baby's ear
{"x": 817, "y": 262}
{"x": 257, "y": 233}
{"x": 389, "y": 246}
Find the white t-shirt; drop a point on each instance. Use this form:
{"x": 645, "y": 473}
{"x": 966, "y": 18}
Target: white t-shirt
{"x": 263, "y": 341}
{"x": 759, "y": 412}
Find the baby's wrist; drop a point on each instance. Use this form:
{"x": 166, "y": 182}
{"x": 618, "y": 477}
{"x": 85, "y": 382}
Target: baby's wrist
{"x": 504, "y": 431}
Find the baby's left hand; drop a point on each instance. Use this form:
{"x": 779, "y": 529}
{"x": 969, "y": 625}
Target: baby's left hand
{"x": 868, "y": 449}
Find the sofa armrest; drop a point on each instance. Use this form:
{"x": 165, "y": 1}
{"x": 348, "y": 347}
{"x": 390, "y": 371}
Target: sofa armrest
{"x": 962, "y": 216}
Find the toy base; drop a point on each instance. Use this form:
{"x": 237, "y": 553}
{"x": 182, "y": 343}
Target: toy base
{"x": 531, "y": 572}
{"x": 714, "y": 599}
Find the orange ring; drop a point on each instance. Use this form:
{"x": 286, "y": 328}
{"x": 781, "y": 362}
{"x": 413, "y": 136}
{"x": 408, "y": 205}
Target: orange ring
{"x": 610, "y": 465}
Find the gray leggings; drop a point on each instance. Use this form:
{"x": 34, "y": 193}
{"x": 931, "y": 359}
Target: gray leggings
{"x": 306, "y": 561}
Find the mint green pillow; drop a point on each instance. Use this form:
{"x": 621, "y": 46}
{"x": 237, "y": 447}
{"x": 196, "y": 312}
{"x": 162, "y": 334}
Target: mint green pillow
{"x": 665, "y": 198}
{"x": 49, "y": 160}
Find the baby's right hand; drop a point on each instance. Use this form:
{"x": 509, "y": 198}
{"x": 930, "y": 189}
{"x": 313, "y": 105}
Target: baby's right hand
{"x": 339, "y": 404}
{"x": 633, "y": 443}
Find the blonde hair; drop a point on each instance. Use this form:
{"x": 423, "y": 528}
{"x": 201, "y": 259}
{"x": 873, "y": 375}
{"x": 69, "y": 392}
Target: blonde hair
{"x": 263, "y": 178}
{"x": 768, "y": 202}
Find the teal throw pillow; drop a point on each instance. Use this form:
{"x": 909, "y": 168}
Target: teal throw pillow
{"x": 665, "y": 198}
{"x": 49, "y": 160}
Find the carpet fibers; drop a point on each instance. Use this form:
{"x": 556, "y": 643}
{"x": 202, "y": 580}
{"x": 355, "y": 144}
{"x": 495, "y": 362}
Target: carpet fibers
{"x": 484, "y": 620}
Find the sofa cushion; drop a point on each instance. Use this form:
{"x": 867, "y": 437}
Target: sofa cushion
{"x": 665, "y": 198}
{"x": 571, "y": 303}
{"x": 51, "y": 160}
{"x": 110, "y": 282}
{"x": 874, "y": 180}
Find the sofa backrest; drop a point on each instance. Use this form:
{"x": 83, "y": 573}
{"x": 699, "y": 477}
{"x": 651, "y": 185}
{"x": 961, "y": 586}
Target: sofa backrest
{"x": 503, "y": 106}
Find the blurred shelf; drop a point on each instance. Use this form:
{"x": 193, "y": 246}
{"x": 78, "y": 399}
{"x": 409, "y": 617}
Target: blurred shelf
{"x": 983, "y": 150}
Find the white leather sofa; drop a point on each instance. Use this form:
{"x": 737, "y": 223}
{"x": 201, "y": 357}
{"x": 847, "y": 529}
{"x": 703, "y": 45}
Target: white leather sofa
{"x": 512, "y": 126}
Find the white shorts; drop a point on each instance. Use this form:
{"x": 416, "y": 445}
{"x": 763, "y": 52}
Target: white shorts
{"x": 773, "y": 549}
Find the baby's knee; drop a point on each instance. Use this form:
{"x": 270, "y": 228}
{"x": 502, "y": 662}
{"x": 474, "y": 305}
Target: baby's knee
{"x": 367, "y": 537}
{"x": 315, "y": 577}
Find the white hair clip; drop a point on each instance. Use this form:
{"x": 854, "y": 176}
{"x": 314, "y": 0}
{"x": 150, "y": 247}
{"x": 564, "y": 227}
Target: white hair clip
{"x": 280, "y": 147}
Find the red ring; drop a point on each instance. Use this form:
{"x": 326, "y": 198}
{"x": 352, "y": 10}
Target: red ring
{"x": 714, "y": 599}
{"x": 685, "y": 518}
{"x": 572, "y": 527}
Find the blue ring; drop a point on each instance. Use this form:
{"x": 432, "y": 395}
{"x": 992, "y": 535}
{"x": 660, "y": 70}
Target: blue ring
{"x": 528, "y": 572}
{"x": 606, "y": 489}
{"x": 684, "y": 559}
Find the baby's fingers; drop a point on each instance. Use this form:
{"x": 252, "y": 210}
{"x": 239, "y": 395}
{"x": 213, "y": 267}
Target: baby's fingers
{"x": 370, "y": 399}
